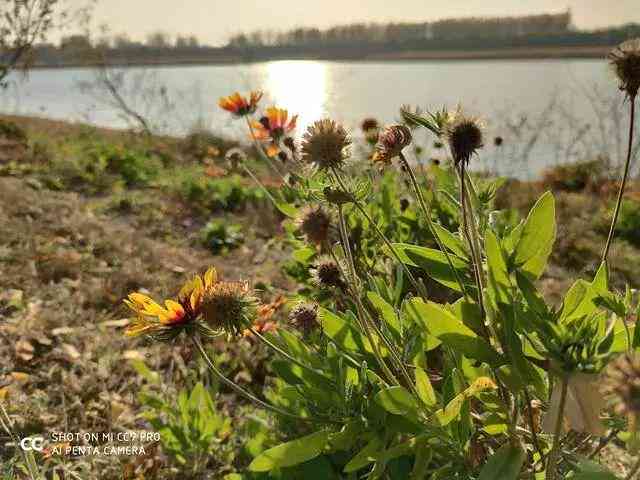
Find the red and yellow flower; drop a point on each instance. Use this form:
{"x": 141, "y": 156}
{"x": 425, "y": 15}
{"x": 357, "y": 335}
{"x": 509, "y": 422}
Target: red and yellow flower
{"x": 205, "y": 306}
{"x": 239, "y": 105}
{"x": 273, "y": 127}
{"x": 155, "y": 319}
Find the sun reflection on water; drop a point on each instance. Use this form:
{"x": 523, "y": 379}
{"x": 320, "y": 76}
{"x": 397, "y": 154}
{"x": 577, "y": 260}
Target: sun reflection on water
{"x": 300, "y": 87}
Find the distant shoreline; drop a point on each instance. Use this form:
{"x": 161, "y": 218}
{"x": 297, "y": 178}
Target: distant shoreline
{"x": 514, "y": 53}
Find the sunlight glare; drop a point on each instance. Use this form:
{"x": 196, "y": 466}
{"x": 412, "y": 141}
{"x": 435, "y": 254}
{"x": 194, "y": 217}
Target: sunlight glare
{"x": 300, "y": 87}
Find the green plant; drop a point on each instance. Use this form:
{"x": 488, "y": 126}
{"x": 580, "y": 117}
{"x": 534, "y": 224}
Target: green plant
{"x": 12, "y": 131}
{"x": 628, "y": 226}
{"x": 216, "y": 194}
{"x": 191, "y": 428}
{"x": 576, "y": 177}
{"x": 433, "y": 347}
{"x": 136, "y": 168}
{"x": 220, "y": 236}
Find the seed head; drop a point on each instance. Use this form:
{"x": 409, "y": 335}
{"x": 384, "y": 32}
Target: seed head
{"x": 304, "y": 316}
{"x": 324, "y": 144}
{"x": 290, "y": 143}
{"x": 391, "y": 141}
{"x": 622, "y": 380}
{"x": 234, "y": 158}
{"x": 369, "y": 124}
{"x": 625, "y": 61}
{"x": 314, "y": 222}
{"x": 327, "y": 273}
{"x": 229, "y": 307}
{"x": 465, "y": 138}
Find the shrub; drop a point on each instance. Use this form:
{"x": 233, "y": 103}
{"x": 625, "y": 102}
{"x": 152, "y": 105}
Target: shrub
{"x": 220, "y": 236}
{"x": 628, "y": 226}
{"x": 217, "y": 194}
{"x": 12, "y": 131}
{"x": 576, "y": 177}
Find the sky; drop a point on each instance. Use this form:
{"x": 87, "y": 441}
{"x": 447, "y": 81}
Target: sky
{"x": 214, "y": 21}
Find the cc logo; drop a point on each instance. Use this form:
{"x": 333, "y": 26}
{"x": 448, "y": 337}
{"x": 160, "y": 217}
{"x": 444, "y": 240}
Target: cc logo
{"x": 32, "y": 443}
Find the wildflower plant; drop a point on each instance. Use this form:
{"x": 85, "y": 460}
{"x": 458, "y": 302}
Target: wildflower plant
{"x": 433, "y": 354}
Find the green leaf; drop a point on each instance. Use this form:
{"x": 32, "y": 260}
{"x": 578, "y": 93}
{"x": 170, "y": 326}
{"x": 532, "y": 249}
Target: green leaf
{"x": 433, "y": 262}
{"x": 291, "y": 453}
{"x": 424, "y": 388}
{"x": 505, "y": 464}
{"x": 365, "y": 456}
{"x": 387, "y": 312}
{"x": 303, "y": 255}
{"x": 346, "y": 438}
{"x": 580, "y": 300}
{"x": 295, "y": 375}
{"x": 295, "y": 347}
{"x": 449, "y": 413}
{"x": 396, "y": 400}
{"x": 451, "y": 241}
{"x": 145, "y": 372}
{"x": 499, "y": 280}
{"x": 411, "y": 311}
{"x": 287, "y": 209}
{"x": 636, "y": 333}
{"x": 341, "y": 332}
{"x": 452, "y": 332}
{"x": 537, "y": 237}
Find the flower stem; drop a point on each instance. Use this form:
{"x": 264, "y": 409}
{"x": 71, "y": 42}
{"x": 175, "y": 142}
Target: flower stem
{"x": 552, "y": 461}
{"x": 356, "y": 297}
{"x": 627, "y": 164}
{"x": 280, "y": 351}
{"x": 432, "y": 229}
{"x": 419, "y": 287}
{"x": 238, "y": 389}
{"x": 469, "y": 232}
{"x": 260, "y": 184}
{"x": 262, "y": 152}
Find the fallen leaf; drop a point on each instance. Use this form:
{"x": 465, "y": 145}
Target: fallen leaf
{"x": 19, "y": 377}
{"x": 71, "y": 351}
{"x": 24, "y": 350}
{"x": 132, "y": 355}
{"x": 123, "y": 322}
{"x": 62, "y": 331}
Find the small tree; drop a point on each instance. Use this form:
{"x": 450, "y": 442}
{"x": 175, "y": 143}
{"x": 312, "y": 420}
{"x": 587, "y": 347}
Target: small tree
{"x": 23, "y": 23}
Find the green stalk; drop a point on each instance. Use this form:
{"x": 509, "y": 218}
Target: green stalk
{"x": 260, "y": 184}
{"x": 238, "y": 389}
{"x": 356, "y": 297}
{"x": 419, "y": 288}
{"x": 362, "y": 313}
{"x": 262, "y": 152}
{"x": 469, "y": 234}
{"x": 552, "y": 462}
{"x": 432, "y": 229}
{"x": 625, "y": 176}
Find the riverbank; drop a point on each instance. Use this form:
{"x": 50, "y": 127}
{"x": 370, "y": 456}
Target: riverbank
{"x": 353, "y": 55}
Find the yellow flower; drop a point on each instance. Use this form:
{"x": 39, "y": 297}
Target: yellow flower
{"x": 169, "y": 320}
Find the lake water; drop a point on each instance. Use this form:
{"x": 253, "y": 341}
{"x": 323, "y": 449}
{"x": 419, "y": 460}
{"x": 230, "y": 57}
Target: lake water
{"x": 538, "y": 106}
